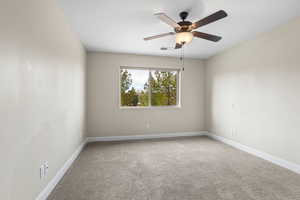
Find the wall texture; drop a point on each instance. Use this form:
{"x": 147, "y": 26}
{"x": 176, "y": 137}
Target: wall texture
{"x": 253, "y": 92}
{"x": 105, "y": 118}
{"x": 42, "y": 86}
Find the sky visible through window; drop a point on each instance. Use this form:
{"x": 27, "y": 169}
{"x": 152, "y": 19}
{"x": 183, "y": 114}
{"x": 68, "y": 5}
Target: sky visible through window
{"x": 139, "y": 78}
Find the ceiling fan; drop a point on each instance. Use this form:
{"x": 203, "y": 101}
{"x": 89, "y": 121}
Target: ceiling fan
{"x": 184, "y": 29}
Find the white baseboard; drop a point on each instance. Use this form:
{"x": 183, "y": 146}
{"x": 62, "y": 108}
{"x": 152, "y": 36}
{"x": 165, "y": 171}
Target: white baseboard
{"x": 59, "y": 175}
{"x": 55, "y": 180}
{"x": 278, "y": 161}
{"x": 149, "y": 136}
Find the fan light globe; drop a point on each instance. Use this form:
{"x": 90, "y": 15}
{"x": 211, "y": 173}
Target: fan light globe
{"x": 184, "y": 37}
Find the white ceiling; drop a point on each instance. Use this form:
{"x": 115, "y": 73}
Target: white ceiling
{"x": 121, "y": 25}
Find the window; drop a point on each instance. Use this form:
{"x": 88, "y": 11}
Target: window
{"x": 141, "y": 87}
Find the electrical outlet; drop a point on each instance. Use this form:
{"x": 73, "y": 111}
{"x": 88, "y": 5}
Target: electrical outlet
{"x": 231, "y": 132}
{"x": 148, "y": 125}
{"x": 44, "y": 168}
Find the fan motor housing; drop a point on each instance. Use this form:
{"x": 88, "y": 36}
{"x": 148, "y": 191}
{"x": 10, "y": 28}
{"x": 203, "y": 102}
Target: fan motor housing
{"x": 185, "y": 26}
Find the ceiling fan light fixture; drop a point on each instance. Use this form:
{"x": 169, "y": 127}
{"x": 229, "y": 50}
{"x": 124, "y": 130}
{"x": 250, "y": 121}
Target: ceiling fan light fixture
{"x": 184, "y": 37}
{"x": 184, "y": 30}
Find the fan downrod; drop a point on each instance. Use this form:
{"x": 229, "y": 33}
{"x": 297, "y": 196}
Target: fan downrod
{"x": 183, "y": 15}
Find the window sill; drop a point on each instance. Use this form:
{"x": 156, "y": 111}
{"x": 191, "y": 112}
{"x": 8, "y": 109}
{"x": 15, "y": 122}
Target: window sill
{"x": 149, "y": 107}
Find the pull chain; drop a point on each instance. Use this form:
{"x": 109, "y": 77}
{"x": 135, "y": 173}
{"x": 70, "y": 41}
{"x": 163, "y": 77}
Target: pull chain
{"x": 182, "y": 57}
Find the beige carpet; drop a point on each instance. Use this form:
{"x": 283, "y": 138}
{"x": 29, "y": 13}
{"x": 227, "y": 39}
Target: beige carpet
{"x": 194, "y": 168}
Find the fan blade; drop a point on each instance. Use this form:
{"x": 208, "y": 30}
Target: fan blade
{"x": 159, "y": 36}
{"x": 209, "y": 19}
{"x": 178, "y": 46}
{"x": 163, "y": 17}
{"x": 207, "y": 36}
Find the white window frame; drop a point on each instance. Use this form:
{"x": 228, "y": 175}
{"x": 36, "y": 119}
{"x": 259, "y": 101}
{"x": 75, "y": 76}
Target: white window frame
{"x": 178, "y": 93}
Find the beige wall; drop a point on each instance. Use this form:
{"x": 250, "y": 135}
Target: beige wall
{"x": 253, "y": 90}
{"x": 105, "y": 118}
{"x": 42, "y": 78}
{"x": 252, "y": 95}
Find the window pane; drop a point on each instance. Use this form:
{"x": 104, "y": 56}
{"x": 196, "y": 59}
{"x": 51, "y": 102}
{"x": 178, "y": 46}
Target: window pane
{"x": 134, "y": 87}
{"x": 163, "y": 88}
